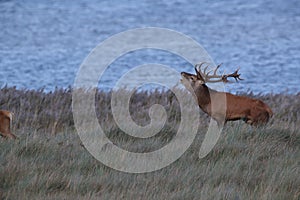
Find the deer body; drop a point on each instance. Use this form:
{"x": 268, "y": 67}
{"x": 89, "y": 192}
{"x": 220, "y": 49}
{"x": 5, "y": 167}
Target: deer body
{"x": 252, "y": 111}
{"x": 224, "y": 106}
{"x": 5, "y": 124}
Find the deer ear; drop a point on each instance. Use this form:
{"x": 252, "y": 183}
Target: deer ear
{"x": 197, "y": 73}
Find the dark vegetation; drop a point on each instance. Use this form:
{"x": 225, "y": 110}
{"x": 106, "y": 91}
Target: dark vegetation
{"x": 49, "y": 162}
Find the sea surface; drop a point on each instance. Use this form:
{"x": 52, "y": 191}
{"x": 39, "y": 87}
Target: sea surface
{"x": 44, "y": 42}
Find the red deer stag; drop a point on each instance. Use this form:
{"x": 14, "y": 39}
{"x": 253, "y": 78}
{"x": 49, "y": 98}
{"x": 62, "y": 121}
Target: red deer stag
{"x": 5, "y": 123}
{"x": 252, "y": 111}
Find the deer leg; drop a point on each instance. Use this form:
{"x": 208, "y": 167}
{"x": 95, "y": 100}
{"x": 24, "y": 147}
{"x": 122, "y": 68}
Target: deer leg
{"x": 220, "y": 124}
{"x": 7, "y": 135}
{"x": 263, "y": 117}
{"x": 250, "y": 122}
{"x": 11, "y": 135}
{"x": 220, "y": 119}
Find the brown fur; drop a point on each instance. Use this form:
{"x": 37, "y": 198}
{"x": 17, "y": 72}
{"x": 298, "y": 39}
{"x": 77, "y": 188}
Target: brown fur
{"x": 252, "y": 111}
{"x": 5, "y": 123}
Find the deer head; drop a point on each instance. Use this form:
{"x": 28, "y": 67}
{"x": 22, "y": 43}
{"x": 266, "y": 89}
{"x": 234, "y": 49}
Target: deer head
{"x": 202, "y": 77}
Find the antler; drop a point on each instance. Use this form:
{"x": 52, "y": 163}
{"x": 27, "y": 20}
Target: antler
{"x": 234, "y": 75}
{"x": 213, "y": 78}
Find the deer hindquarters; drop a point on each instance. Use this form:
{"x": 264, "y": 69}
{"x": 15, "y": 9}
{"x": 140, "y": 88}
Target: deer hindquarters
{"x": 5, "y": 121}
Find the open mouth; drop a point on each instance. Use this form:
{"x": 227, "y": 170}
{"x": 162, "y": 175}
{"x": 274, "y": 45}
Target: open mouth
{"x": 182, "y": 78}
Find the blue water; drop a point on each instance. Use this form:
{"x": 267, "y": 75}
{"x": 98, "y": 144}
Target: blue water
{"x": 43, "y": 43}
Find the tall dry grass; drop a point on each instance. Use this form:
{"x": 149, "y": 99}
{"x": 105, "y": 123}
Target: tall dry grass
{"x": 48, "y": 162}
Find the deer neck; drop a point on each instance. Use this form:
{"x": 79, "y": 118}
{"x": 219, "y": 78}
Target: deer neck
{"x": 203, "y": 97}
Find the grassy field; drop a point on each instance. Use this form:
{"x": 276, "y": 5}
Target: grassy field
{"x": 49, "y": 162}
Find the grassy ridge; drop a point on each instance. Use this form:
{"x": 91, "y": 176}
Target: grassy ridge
{"x": 48, "y": 161}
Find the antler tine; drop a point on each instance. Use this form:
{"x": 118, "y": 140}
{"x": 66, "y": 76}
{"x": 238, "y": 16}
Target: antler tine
{"x": 215, "y": 71}
{"x": 214, "y": 75}
{"x": 199, "y": 72}
{"x": 198, "y": 66}
{"x": 234, "y": 75}
{"x": 205, "y": 68}
{"x": 204, "y": 74}
{"x": 237, "y": 76}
